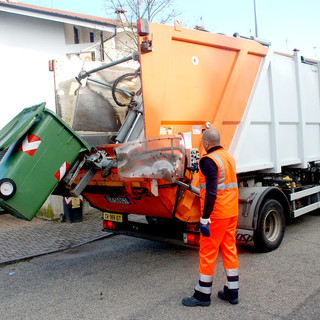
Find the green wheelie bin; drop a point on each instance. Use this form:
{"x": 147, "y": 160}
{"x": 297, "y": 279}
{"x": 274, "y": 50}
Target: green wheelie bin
{"x": 41, "y": 150}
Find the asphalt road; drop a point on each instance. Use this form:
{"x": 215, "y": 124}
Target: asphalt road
{"x": 128, "y": 278}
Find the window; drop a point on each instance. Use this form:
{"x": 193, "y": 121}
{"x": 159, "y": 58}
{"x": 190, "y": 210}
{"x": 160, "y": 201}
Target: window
{"x": 76, "y": 35}
{"x": 91, "y": 37}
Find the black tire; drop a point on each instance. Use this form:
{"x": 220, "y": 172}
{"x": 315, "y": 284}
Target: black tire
{"x": 9, "y": 188}
{"x": 271, "y": 226}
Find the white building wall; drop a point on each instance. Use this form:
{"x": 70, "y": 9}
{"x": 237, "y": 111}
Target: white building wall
{"x": 26, "y": 46}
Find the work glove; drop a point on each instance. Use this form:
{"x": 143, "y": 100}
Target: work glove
{"x": 205, "y": 227}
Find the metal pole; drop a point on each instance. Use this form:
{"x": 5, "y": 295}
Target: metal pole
{"x": 85, "y": 74}
{"x": 255, "y": 18}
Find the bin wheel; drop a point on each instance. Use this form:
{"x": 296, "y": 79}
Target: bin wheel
{"x": 7, "y": 188}
{"x": 62, "y": 218}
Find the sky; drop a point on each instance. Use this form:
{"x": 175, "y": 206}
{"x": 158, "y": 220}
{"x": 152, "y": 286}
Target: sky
{"x": 287, "y": 24}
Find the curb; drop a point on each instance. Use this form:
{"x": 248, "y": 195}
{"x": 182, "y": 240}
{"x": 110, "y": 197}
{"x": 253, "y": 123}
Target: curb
{"x": 17, "y": 259}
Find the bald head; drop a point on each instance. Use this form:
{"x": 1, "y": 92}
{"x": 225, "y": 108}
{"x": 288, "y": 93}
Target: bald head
{"x": 210, "y": 138}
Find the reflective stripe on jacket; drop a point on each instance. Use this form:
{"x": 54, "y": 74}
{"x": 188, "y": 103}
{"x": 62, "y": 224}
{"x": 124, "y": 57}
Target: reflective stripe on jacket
{"x": 226, "y": 205}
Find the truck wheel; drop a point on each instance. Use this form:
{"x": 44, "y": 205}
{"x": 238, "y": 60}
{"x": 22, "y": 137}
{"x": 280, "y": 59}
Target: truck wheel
{"x": 271, "y": 226}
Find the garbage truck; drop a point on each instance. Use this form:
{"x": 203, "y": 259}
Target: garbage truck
{"x": 142, "y": 171}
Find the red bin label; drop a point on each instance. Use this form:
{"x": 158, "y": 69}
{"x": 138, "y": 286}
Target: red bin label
{"x": 30, "y": 144}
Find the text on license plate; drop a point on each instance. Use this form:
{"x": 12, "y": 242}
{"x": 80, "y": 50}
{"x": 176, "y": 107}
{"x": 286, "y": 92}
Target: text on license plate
{"x": 112, "y": 217}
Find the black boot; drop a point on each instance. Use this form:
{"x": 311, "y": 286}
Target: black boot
{"x": 193, "y": 302}
{"x": 198, "y": 299}
{"x": 230, "y": 295}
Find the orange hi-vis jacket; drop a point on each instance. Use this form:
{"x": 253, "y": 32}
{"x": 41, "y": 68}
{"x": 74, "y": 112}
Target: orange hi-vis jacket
{"x": 226, "y": 205}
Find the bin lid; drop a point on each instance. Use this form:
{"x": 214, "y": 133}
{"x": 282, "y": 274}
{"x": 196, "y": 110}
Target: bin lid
{"x": 19, "y": 125}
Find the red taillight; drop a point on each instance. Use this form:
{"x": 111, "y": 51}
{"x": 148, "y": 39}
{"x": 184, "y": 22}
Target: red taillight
{"x": 109, "y": 225}
{"x": 114, "y": 170}
{"x": 51, "y": 65}
{"x": 191, "y": 238}
{"x": 142, "y": 27}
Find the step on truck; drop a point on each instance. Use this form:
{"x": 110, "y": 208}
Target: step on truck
{"x": 142, "y": 168}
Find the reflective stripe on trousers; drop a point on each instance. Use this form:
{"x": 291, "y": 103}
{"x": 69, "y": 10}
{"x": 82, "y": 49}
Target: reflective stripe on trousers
{"x": 232, "y": 278}
{"x": 205, "y": 284}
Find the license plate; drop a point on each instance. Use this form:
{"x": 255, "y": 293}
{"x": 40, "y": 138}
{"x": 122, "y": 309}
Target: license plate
{"x": 113, "y": 217}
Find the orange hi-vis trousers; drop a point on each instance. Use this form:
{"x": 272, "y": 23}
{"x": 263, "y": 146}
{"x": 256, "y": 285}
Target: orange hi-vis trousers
{"x": 222, "y": 236}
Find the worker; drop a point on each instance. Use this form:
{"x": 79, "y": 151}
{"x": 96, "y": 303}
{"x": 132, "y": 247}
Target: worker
{"x": 219, "y": 208}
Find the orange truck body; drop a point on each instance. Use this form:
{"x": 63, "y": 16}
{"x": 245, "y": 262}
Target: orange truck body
{"x": 189, "y": 78}
{"x": 266, "y": 107}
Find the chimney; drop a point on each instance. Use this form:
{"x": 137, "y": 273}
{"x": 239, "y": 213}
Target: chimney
{"x": 121, "y": 15}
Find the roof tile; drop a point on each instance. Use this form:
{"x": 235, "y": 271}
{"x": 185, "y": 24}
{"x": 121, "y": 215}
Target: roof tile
{"x": 61, "y": 13}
